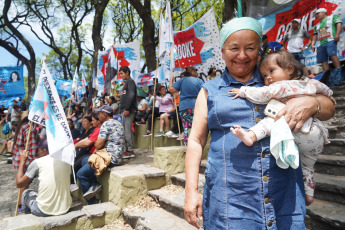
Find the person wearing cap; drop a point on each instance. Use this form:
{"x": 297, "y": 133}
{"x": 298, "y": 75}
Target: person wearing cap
{"x": 128, "y": 107}
{"x": 327, "y": 32}
{"x": 244, "y": 187}
{"x": 53, "y": 196}
{"x": 295, "y": 38}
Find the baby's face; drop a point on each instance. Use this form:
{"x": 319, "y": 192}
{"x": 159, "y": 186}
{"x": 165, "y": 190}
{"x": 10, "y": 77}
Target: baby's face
{"x": 272, "y": 72}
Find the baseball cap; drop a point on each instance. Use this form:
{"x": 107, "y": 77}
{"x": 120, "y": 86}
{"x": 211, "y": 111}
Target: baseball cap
{"x": 297, "y": 20}
{"x": 105, "y": 108}
{"x": 321, "y": 10}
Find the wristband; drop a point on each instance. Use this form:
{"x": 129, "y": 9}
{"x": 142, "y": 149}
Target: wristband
{"x": 318, "y": 108}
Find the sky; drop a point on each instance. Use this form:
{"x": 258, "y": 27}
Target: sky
{"x": 7, "y": 59}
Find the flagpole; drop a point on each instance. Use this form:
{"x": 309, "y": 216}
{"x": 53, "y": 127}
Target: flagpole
{"x": 25, "y": 152}
{"x": 171, "y": 71}
{"x": 155, "y": 84}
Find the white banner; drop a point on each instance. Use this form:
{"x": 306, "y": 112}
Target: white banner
{"x": 46, "y": 109}
{"x": 198, "y": 46}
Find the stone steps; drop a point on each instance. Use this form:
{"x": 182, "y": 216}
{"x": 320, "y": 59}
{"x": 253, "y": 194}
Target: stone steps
{"x": 330, "y": 164}
{"x": 170, "y": 201}
{"x": 335, "y": 147}
{"x": 330, "y": 188}
{"x": 87, "y": 217}
{"x": 155, "y": 219}
{"x": 180, "y": 180}
{"x": 326, "y": 215}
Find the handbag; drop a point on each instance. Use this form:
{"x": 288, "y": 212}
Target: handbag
{"x": 7, "y": 128}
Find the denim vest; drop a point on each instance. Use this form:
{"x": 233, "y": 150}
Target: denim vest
{"x": 244, "y": 188}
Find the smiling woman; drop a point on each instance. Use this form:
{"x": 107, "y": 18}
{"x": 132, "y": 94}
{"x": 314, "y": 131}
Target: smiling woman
{"x": 244, "y": 188}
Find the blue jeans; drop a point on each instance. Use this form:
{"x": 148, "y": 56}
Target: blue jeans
{"x": 299, "y": 57}
{"x": 29, "y": 203}
{"x": 87, "y": 177}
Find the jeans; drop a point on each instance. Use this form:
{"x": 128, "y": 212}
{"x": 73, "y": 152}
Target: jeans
{"x": 87, "y": 177}
{"x": 299, "y": 56}
{"x": 29, "y": 203}
{"x": 128, "y": 132}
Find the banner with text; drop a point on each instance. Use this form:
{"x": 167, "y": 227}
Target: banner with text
{"x": 11, "y": 82}
{"x": 46, "y": 110}
{"x": 198, "y": 46}
{"x": 277, "y": 24}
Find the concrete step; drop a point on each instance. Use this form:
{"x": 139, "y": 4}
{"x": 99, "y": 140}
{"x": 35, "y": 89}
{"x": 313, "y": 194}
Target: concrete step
{"x": 87, "y": 217}
{"x": 330, "y": 164}
{"x": 180, "y": 180}
{"x": 203, "y": 166}
{"x": 326, "y": 215}
{"x": 124, "y": 185}
{"x": 171, "y": 201}
{"x": 330, "y": 188}
{"x": 336, "y": 132}
{"x": 335, "y": 147}
{"x": 155, "y": 219}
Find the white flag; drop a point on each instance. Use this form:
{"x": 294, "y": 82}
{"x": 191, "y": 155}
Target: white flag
{"x": 167, "y": 50}
{"x": 74, "y": 87}
{"x": 46, "y": 109}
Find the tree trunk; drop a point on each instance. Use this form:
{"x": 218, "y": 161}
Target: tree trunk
{"x": 29, "y": 63}
{"x": 144, "y": 12}
{"x": 96, "y": 32}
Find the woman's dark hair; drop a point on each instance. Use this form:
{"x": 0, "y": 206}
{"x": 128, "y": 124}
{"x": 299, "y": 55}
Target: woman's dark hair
{"x": 11, "y": 79}
{"x": 188, "y": 71}
{"x": 95, "y": 116}
{"x": 69, "y": 119}
{"x": 89, "y": 118}
{"x": 112, "y": 98}
{"x": 210, "y": 71}
{"x": 284, "y": 60}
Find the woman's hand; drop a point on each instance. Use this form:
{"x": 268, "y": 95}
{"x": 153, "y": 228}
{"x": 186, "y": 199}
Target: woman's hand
{"x": 193, "y": 208}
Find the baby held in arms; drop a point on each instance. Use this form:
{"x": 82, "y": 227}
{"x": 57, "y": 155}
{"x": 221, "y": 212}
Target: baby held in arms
{"x": 283, "y": 76}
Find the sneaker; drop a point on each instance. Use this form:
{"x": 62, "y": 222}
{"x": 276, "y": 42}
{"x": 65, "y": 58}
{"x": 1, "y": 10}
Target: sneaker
{"x": 159, "y": 134}
{"x": 174, "y": 135}
{"x": 127, "y": 155}
{"x": 20, "y": 210}
{"x": 73, "y": 187}
{"x": 181, "y": 137}
{"x": 93, "y": 190}
{"x": 140, "y": 123}
{"x": 169, "y": 133}
{"x": 147, "y": 134}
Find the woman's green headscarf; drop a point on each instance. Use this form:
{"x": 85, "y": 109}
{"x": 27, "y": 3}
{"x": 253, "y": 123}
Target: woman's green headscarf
{"x": 236, "y": 24}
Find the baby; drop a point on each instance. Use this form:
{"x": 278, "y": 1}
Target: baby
{"x": 283, "y": 76}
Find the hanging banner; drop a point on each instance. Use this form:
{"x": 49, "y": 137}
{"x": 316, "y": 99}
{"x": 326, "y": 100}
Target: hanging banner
{"x": 46, "y": 109}
{"x": 11, "y": 82}
{"x": 63, "y": 87}
{"x": 147, "y": 79}
{"x": 125, "y": 54}
{"x": 198, "y": 46}
{"x": 277, "y": 24}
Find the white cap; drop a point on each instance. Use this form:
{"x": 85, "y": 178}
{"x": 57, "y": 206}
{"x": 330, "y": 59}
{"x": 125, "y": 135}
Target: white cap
{"x": 5, "y": 111}
{"x": 321, "y": 10}
{"x": 297, "y": 20}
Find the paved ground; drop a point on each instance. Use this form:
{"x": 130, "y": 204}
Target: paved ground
{"x": 8, "y": 190}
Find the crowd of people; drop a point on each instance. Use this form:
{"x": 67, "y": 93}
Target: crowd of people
{"x": 246, "y": 187}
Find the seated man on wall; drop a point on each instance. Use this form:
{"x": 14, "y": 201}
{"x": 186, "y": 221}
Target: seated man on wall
{"x": 53, "y": 197}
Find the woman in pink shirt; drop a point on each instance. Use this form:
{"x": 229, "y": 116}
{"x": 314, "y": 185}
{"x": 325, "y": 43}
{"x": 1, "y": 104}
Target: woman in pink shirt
{"x": 165, "y": 107}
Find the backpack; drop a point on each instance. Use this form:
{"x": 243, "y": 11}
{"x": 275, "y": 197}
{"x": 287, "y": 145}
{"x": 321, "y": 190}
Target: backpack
{"x": 7, "y": 128}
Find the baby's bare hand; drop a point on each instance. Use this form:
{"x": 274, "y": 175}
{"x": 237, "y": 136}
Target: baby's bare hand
{"x": 235, "y": 92}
